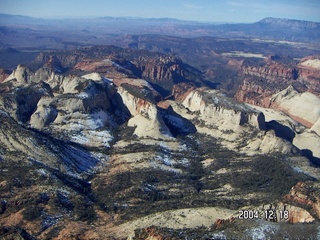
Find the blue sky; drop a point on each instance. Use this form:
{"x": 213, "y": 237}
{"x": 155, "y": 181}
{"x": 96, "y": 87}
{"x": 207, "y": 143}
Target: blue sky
{"x": 199, "y": 10}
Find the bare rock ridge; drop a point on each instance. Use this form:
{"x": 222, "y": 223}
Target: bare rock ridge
{"x": 44, "y": 150}
{"x": 88, "y": 106}
{"x": 161, "y": 69}
{"x": 271, "y": 71}
{"x": 263, "y": 84}
{"x": 303, "y": 107}
{"x": 212, "y": 104}
{"x": 146, "y": 117}
{"x": 216, "y": 115}
{"x": 69, "y": 104}
{"x": 100, "y": 151}
{"x": 303, "y": 75}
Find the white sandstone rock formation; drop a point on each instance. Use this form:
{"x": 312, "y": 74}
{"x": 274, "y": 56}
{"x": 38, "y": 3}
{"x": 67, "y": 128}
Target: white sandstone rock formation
{"x": 302, "y": 107}
{"x": 145, "y": 116}
{"x": 304, "y": 138}
{"x": 218, "y": 110}
{"x": 239, "y": 126}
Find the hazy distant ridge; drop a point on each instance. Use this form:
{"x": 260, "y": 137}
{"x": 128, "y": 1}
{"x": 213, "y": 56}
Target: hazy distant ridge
{"x": 86, "y": 30}
{"x": 290, "y": 23}
{"x": 16, "y": 19}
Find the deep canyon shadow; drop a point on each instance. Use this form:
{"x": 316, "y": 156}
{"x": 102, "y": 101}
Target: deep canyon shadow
{"x": 281, "y": 130}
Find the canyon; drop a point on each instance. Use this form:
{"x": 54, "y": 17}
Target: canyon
{"x": 161, "y": 137}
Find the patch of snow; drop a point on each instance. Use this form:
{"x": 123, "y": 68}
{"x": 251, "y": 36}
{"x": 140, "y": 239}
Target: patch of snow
{"x": 184, "y": 161}
{"x": 243, "y": 54}
{"x": 57, "y": 70}
{"x": 107, "y": 80}
{"x": 113, "y": 63}
{"x": 297, "y": 169}
{"x": 79, "y": 138}
{"x": 93, "y": 138}
{"x": 165, "y": 167}
{"x": 165, "y": 160}
{"x": 81, "y": 122}
{"x": 263, "y": 231}
{"x": 78, "y": 160}
{"x": 83, "y": 95}
{"x": 163, "y": 145}
{"x": 3, "y": 113}
{"x": 97, "y": 120}
{"x": 43, "y": 172}
{"x": 75, "y": 126}
{"x": 219, "y": 235}
{"x": 183, "y": 147}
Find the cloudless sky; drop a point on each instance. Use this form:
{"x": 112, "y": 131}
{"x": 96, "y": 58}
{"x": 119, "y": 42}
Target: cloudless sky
{"x": 198, "y": 10}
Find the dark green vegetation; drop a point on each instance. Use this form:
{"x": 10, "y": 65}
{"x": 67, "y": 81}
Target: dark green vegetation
{"x": 49, "y": 192}
{"x": 264, "y": 178}
{"x": 48, "y": 197}
{"x": 42, "y": 195}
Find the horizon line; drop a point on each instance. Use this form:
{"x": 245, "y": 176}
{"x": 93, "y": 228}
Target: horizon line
{"x": 146, "y": 18}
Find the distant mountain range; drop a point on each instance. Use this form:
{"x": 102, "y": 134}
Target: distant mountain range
{"x": 268, "y": 28}
{"x": 290, "y": 23}
{"x": 6, "y": 19}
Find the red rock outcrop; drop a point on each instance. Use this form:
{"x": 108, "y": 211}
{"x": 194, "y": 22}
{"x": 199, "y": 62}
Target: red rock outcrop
{"x": 162, "y": 70}
{"x": 151, "y": 233}
{"x": 271, "y": 71}
{"x": 66, "y": 60}
{"x": 254, "y": 92}
{"x": 306, "y": 196}
{"x": 4, "y": 74}
{"x": 263, "y": 81}
{"x": 300, "y": 205}
{"x": 221, "y": 223}
{"x": 182, "y": 90}
{"x": 309, "y": 73}
{"x": 54, "y": 63}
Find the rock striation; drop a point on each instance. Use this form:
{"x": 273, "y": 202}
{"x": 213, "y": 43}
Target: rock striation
{"x": 87, "y": 144}
{"x": 214, "y": 114}
{"x": 306, "y": 196}
{"x": 214, "y": 107}
{"x": 287, "y": 86}
{"x": 302, "y": 107}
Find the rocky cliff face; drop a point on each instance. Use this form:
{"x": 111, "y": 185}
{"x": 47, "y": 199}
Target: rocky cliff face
{"x": 263, "y": 83}
{"x": 215, "y": 107}
{"x": 64, "y": 60}
{"x": 214, "y": 114}
{"x": 51, "y": 153}
{"x": 303, "y": 107}
{"x": 271, "y": 71}
{"x": 301, "y": 204}
{"x": 145, "y": 116}
{"x": 164, "y": 71}
{"x": 4, "y": 74}
{"x": 306, "y": 196}
{"x": 82, "y": 151}
{"x": 283, "y": 71}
